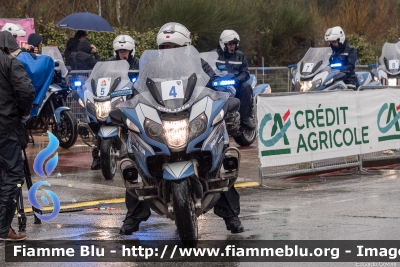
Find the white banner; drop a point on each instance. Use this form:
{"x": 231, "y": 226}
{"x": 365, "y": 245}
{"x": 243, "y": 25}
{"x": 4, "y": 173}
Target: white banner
{"x": 379, "y": 112}
{"x": 316, "y": 126}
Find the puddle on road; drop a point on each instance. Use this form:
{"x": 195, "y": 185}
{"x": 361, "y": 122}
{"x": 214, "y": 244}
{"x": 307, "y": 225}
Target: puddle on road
{"x": 76, "y": 158}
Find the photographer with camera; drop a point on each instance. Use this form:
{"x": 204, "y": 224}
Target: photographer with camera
{"x": 16, "y": 99}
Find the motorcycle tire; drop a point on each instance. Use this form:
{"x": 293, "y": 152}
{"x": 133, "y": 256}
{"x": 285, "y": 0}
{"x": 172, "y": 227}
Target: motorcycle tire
{"x": 108, "y": 158}
{"x": 185, "y": 215}
{"x": 245, "y": 137}
{"x": 67, "y": 129}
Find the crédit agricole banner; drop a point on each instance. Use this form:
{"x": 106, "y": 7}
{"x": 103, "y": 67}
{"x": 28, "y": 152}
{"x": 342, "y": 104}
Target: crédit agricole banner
{"x": 308, "y": 127}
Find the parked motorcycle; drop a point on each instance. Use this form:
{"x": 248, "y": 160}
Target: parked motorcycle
{"x": 315, "y": 73}
{"x": 177, "y": 140}
{"x": 47, "y": 73}
{"x": 107, "y": 86}
{"x": 388, "y": 70}
{"x": 241, "y": 135}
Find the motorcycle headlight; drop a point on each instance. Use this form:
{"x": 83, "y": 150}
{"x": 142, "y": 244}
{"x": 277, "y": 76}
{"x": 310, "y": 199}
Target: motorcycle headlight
{"x": 102, "y": 109}
{"x": 305, "y": 86}
{"x": 154, "y": 130}
{"x": 316, "y": 84}
{"x": 392, "y": 82}
{"x": 197, "y": 126}
{"x": 176, "y": 133}
{"x": 90, "y": 107}
{"x": 81, "y": 103}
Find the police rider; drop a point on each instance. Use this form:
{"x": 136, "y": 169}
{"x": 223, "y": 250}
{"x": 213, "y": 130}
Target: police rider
{"x": 343, "y": 54}
{"x": 124, "y": 48}
{"x": 232, "y": 60}
{"x": 173, "y": 35}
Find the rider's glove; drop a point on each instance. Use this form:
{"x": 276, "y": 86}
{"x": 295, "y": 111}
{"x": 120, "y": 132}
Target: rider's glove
{"x": 231, "y": 90}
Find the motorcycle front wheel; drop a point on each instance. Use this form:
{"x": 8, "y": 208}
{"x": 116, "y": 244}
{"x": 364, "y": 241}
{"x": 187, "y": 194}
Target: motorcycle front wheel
{"x": 67, "y": 129}
{"x": 246, "y": 137}
{"x": 185, "y": 215}
{"x": 108, "y": 158}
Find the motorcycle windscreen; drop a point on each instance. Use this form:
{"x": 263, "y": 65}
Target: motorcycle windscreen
{"x": 390, "y": 57}
{"x": 54, "y": 53}
{"x": 114, "y": 76}
{"x": 171, "y": 78}
{"x": 314, "y": 60}
{"x": 211, "y": 58}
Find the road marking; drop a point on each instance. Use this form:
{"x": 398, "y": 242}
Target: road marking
{"x": 121, "y": 200}
{"x": 246, "y": 184}
{"x": 83, "y": 204}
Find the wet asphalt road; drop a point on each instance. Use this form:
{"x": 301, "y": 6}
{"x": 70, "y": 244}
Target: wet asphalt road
{"x": 356, "y": 207}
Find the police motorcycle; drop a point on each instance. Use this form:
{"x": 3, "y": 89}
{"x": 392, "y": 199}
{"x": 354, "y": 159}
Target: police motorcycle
{"x": 107, "y": 86}
{"x": 388, "y": 69}
{"x": 177, "y": 140}
{"x": 241, "y": 135}
{"x": 315, "y": 73}
{"x": 47, "y": 73}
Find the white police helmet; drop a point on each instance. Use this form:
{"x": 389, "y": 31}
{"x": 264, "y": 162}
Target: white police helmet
{"x": 15, "y": 29}
{"x": 173, "y": 33}
{"x": 335, "y": 34}
{"x": 229, "y": 37}
{"x": 124, "y": 42}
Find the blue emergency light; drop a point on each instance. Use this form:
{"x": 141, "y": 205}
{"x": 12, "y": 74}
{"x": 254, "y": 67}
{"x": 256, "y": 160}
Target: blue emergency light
{"x": 77, "y": 83}
{"x": 224, "y": 83}
{"x": 335, "y": 65}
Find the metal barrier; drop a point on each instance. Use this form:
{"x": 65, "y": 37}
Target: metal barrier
{"x": 277, "y": 77}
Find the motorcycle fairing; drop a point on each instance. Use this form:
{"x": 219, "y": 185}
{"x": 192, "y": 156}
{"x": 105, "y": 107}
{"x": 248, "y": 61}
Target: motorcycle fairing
{"x": 390, "y": 51}
{"x": 363, "y": 78}
{"x": 212, "y": 108}
{"x": 178, "y": 170}
{"x": 141, "y": 150}
{"x": 319, "y": 56}
{"x": 108, "y": 131}
{"x": 88, "y": 96}
{"x": 261, "y": 89}
{"x": 52, "y": 88}
{"x": 214, "y": 143}
{"x": 57, "y": 113}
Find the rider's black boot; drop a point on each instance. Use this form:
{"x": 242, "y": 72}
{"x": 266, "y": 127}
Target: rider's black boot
{"x": 248, "y": 123}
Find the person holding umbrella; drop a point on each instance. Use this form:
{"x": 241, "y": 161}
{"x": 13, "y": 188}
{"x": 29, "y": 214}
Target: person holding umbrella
{"x": 72, "y": 45}
{"x": 86, "y": 57}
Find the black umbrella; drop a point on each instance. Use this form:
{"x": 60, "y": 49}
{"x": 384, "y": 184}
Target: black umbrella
{"x": 85, "y": 21}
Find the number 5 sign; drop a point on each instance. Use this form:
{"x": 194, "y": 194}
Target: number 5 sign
{"x": 172, "y": 90}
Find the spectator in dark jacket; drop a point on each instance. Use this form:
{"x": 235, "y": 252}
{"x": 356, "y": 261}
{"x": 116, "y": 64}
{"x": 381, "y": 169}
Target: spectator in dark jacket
{"x": 16, "y": 99}
{"x": 34, "y": 43}
{"x": 72, "y": 46}
{"x": 86, "y": 57}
